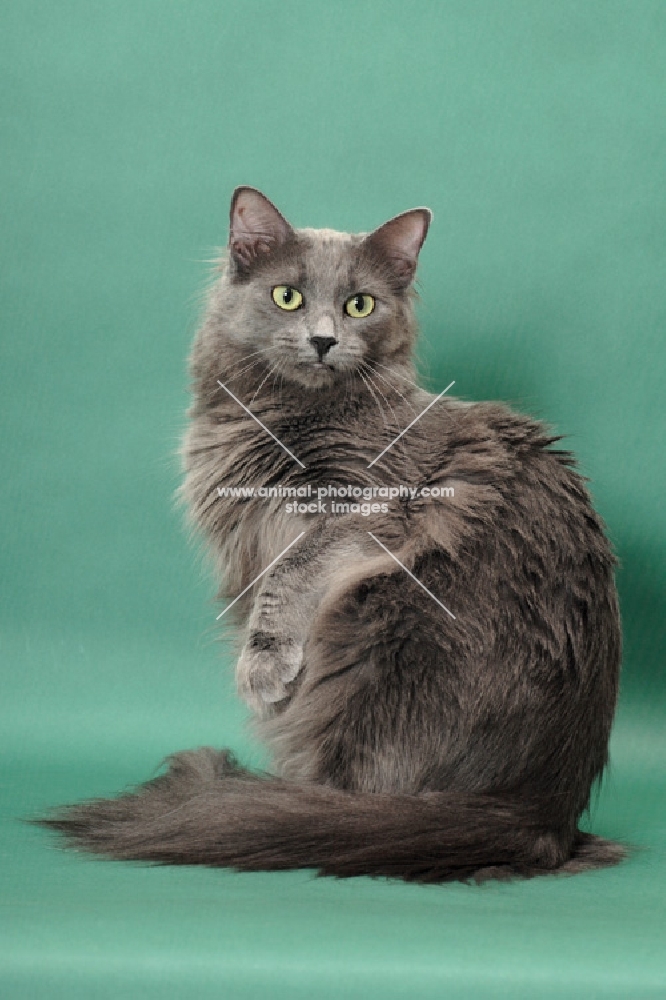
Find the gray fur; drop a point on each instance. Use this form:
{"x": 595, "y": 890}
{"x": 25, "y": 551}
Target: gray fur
{"x": 404, "y": 742}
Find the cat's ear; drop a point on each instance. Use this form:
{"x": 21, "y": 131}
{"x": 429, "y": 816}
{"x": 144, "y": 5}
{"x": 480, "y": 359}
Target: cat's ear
{"x": 398, "y": 242}
{"x": 255, "y": 226}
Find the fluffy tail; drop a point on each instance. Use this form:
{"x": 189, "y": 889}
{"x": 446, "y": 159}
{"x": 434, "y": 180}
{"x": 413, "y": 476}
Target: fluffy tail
{"x": 208, "y": 810}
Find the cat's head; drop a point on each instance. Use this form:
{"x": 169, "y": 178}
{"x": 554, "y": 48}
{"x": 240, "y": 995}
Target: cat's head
{"x": 319, "y": 302}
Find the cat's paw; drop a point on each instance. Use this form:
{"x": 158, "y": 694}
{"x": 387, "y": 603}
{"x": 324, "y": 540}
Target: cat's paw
{"x": 266, "y": 668}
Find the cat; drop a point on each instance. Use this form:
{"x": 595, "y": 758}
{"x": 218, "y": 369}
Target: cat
{"x": 436, "y": 679}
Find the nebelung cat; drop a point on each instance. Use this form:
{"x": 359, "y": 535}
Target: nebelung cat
{"x": 436, "y": 678}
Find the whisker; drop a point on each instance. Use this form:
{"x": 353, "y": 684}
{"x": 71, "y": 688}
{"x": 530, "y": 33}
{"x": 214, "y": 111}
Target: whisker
{"x": 262, "y": 350}
{"x": 401, "y": 444}
{"x": 278, "y": 373}
{"x": 368, "y": 373}
{"x": 247, "y": 368}
{"x": 282, "y": 375}
{"x": 391, "y": 386}
{"x": 252, "y": 364}
{"x": 349, "y": 386}
{"x": 269, "y": 372}
{"x": 371, "y": 390}
{"x": 397, "y": 374}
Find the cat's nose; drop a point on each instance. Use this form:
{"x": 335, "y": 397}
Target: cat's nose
{"x": 322, "y": 345}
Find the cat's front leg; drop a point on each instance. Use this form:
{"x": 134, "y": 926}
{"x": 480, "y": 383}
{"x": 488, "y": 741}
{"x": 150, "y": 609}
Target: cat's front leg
{"x": 272, "y": 656}
{"x": 268, "y": 664}
{"x": 280, "y": 622}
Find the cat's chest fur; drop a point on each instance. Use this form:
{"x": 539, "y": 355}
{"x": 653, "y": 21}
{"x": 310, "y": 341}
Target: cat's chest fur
{"x": 308, "y": 461}
{"x": 300, "y": 447}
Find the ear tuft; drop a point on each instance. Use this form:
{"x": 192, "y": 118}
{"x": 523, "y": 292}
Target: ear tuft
{"x": 399, "y": 241}
{"x": 256, "y": 227}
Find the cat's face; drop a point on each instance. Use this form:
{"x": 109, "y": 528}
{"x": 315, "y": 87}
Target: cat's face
{"x": 320, "y": 304}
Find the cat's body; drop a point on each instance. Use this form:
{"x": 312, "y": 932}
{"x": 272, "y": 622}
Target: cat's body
{"x": 436, "y": 733}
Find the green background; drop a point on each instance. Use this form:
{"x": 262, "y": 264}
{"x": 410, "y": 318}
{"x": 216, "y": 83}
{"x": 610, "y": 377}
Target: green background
{"x": 536, "y": 132}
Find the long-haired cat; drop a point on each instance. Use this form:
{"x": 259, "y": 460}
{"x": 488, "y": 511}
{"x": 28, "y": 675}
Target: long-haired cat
{"x": 436, "y": 678}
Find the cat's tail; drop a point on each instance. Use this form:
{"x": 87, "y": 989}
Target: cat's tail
{"x": 208, "y": 810}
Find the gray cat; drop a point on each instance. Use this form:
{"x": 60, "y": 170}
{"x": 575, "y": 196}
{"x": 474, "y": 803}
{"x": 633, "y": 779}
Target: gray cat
{"x": 436, "y": 678}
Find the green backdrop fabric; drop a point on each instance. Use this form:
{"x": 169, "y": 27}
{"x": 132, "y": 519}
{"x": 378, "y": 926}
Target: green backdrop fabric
{"x": 536, "y": 132}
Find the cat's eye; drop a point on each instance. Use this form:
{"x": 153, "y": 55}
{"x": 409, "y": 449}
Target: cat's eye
{"x": 359, "y": 306}
{"x": 287, "y": 297}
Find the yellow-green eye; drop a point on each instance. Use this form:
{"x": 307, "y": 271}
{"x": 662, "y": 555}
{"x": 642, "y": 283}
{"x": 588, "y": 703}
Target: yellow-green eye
{"x": 359, "y": 306}
{"x": 287, "y": 297}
